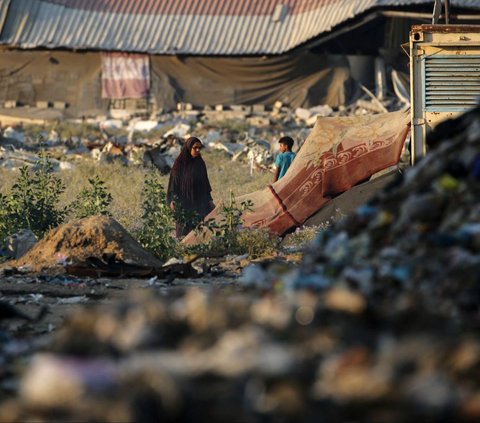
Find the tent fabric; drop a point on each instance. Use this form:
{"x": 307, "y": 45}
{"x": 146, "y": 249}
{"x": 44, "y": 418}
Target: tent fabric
{"x": 74, "y": 78}
{"x": 301, "y": 79}
{"x": 339, "y": 153}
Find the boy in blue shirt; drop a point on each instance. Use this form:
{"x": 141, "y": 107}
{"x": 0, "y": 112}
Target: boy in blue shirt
{"x": 285, "y": 158}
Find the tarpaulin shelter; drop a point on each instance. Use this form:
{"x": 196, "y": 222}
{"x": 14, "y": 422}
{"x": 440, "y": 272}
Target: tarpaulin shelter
{"x": 202, "y": 51}
{"x": 339, "y": 153}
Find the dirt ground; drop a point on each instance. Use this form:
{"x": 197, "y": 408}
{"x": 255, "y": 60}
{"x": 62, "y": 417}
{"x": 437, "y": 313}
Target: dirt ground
{"x": 62, "y": 295}
{"x": 48, "y": 300}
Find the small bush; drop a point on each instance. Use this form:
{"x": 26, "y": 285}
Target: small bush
{"x": 226, "y": 229}
{"x": 230, "y": 237}
{"x": 33, "y": 200}
{"x": 157, "y": 231}
{"x": 93, "y": 200}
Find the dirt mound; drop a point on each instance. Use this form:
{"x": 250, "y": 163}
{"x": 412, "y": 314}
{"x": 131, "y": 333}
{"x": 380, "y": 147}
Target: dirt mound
{"x": 89, "y": 237}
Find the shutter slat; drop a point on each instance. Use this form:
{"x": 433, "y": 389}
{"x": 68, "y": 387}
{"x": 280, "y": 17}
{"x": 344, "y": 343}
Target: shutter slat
{"x": 452, "y": 83}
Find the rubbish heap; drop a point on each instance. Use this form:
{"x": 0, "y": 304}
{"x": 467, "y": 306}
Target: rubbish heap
{"x": 379, "y": 324}
{"x": 420, "y": 236}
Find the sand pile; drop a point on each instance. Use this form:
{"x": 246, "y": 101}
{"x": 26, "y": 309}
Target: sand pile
{"x": 89, "y": 237}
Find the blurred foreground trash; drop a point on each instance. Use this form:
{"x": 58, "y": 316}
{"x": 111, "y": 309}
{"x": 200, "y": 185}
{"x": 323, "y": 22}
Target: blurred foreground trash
{"x": 214, "y": 356}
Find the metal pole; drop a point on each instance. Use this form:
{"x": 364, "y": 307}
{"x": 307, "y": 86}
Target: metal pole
{"x": 437, "y": 10}
{"x": 447, "y": 11}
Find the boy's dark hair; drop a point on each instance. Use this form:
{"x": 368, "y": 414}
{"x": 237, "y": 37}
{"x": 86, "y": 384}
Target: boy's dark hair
{"x": 288, "y": 141}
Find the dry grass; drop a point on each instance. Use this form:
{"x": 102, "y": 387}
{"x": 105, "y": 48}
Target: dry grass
{"x": 125, "y": 183}
{"x": 226, "y": 176}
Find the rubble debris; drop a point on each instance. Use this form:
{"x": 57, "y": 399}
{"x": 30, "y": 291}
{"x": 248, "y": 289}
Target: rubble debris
{"x": 136, "y": 141}
{"x": 17, "y": 245}
{"x": 110, "y": 266}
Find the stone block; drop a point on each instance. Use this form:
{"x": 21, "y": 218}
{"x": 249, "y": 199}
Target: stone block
{"x": 11, "y": 104}
{"x": 59, "y": 105}
{"x": 42, "y": 104}
{"x": 258, "y": 108}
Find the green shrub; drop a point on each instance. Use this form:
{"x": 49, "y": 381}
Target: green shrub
{"x": 225, "y": 230}
{"x": 230, "y": 237}
{"x": 93, "y": 200}
{"x": 157, "y": 230}
{"x": 33, "y": 200}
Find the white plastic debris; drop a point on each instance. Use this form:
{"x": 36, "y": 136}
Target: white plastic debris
{"x": 73, "y": 300}
{"x": 179, "y": 130}
{"x": 144, "y": 125}
{"x": 12, "y": 133}
{"x": 111, "y": 124}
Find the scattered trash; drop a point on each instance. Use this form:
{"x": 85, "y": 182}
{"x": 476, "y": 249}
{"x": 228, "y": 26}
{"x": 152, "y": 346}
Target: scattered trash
{"x": 17, "y": 245}
{"x": 73, "y": 300}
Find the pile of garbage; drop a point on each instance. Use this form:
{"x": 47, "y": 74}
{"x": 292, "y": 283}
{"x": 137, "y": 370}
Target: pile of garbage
{"x": 379, "y": 324}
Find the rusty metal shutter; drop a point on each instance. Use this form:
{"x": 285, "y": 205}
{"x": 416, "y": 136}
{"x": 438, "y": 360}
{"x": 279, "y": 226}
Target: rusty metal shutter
{"x": 452, "y": 82}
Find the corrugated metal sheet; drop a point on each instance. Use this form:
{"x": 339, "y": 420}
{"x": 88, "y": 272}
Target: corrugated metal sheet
{"x": 452, "y": 82}
{"x": 200, "y": 27}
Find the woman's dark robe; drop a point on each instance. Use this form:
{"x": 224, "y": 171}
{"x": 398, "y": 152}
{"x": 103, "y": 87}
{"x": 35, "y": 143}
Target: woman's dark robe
{"x": 189, "y": 188}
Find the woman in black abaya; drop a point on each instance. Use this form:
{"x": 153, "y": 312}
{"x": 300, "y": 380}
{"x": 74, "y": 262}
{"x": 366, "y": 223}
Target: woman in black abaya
{"x": 189, "y": 189}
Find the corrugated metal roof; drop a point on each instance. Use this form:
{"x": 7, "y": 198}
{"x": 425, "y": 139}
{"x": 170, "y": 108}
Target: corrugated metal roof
{"x": 200, "y": 27}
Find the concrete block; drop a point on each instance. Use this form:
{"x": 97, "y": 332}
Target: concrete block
{"x": 59, "y": 105}
{"x": 183, "y": 107}
{"x": 258, "y": 108}
{"x": 214, "y": 116}
{"x": 302, "y": 113}
{"x": 219, "y": 107}
{"x": 241, "y": 108}
{"x": 42, "y": 104}
{"x": 11, "y": 104}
